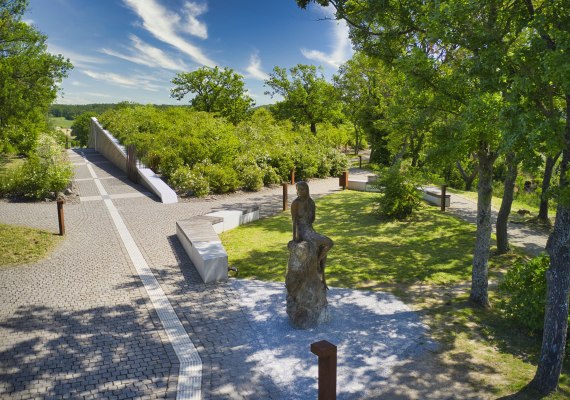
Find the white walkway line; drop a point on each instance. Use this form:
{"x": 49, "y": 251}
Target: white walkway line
{"x": 190, "y": 373}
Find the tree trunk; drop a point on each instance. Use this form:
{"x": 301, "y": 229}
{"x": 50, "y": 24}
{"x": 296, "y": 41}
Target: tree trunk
{"x": 557, "y": 284}
{"x": 505, "y": 210}
{"x": 357, "y": 139}
{"x": 548, "y": 168}
{"x": 468, "y": 179}
{"x": 313, "y": 128}
{"x": 479, "y": 295}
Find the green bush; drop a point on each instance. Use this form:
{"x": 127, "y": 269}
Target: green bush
{"x": 524, "y": 292}
{"x": 186, "y": 180}
{"x": 221, "y": 178}
{"x": 339, "y": 162}
{"x": 43, "y": 173}
{"x": 251, "y": 177}
{"x": 400, "y": 195}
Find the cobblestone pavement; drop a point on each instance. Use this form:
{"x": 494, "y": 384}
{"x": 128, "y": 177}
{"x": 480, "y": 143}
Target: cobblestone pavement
{"x": 80, "y": 324}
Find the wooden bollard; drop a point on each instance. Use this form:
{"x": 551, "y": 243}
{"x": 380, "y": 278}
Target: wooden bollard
{"x": 60, "y": 217}
{"x": 343, "y": 181}
{"x": 285, "y": 190}
{"x": 67, "y": 142}
{"x": 443, "y": 194}
{"x": 326, "y": 352}
{"x": 292, "y": 177}
{"x": 359, "y": 161}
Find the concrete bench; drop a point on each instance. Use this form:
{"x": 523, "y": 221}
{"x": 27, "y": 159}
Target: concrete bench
{"x": 363, "y": 184}
{"x": 199, "y": 237}
{"x": 434, "y": 197}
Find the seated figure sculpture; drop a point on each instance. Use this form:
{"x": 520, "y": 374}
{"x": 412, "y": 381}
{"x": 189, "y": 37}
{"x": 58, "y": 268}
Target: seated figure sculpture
{"x": 305, "y": 280}
{"x": 303, "y": 214}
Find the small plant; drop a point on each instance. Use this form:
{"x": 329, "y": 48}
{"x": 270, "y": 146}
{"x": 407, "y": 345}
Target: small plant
{"x": 524, "y": 290}
{"x": 400, "y": 196}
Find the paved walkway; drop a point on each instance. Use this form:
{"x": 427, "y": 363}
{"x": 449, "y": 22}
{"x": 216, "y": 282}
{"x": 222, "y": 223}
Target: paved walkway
{"x": 85, "y": 323}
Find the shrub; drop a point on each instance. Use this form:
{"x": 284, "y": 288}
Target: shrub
{"x": 190, "y": 181}
{"x": 221, "y": 178}
{"x": 339, "y": 162}
{"x": 251, "y": 177}
{"x": 180, "y": 178}
{"x": 169, "y": 162}
{"x": 524, "y": 290}
{"x": 400, "y": 195}
{"x": 270, "y": 175}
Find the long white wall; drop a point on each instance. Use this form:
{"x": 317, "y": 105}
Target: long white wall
{"x": 105, "y": 143}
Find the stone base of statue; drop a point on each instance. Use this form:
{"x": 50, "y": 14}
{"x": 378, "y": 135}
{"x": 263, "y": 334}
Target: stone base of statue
{"x": 307, "y": 304}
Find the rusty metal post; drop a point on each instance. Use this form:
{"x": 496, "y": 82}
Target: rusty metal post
{"x": 326, "y": 352}
{"x": 293, "y": 176}
{"x": 443, "y": 194}
{"x": 360, "y": 161}
{"x": 344, "y": 180}
{"x": 285, "y": 190}
{"x": 60, "y": 217}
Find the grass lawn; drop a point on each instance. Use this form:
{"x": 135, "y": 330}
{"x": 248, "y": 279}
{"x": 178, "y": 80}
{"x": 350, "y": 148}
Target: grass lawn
{"x": 21, "y": 245}
{"x": 61, "y": 122}
{"x": 426, "y": 261}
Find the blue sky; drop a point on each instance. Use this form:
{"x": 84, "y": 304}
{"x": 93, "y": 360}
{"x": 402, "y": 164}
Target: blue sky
{"x": 131, "y": 49}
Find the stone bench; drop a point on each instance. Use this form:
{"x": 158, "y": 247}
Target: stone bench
{"x": 199, "y": 237}
{"x": 434, "y": 197}
{"x": 363, "y": 184}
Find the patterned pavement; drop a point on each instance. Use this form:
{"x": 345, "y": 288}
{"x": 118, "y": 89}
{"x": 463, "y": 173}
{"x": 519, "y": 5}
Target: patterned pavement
{"x": 81, "y": 324}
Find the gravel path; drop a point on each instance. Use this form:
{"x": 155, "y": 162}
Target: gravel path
{"x": 81, "y": 324}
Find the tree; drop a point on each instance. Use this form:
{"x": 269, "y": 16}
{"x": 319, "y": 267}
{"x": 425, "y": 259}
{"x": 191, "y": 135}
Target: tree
{"x": 215, "y": 90}
{"x": 29, "y": 78}
{"x": 81, "y": 126}
{"x": 490, "y": 33}
{"x": 362, "y": 88}
{"x": 308, "y": 97}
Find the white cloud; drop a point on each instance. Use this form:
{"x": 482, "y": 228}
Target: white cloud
{"x": 78, "y": 60}
{"x": 341, "y": 48}
{"x": 145, "y": 54}
{"x": 192, "y": 25}
{"x": 254, "y": 68}
{"x": 125, "y": 81}
{"x": 165, "y": 25}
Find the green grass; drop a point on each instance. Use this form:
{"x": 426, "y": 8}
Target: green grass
{"x": 60, "y": 122}
{"x": 426, "y": 261}
{"x": 367, "y": 251}
{"x": 21, "y": 245}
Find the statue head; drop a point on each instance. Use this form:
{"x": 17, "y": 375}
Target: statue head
{"x": 302, "y": 189}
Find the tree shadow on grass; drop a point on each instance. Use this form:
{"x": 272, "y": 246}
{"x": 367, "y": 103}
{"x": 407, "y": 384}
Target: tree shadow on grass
{"x": 99, "y": 352}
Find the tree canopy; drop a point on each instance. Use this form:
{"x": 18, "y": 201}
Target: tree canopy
{"x": 307, "y": 97}
{"x": 215, "y": 90}
{"x": 29, "y": 78}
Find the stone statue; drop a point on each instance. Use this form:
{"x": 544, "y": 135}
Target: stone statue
{"x": 305, "y": 281}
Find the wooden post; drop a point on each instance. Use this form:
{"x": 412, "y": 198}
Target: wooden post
{"x": 67, "y": 142}
{"x": 293, "y": 176}
{"x": 285, "y": 189}
{"x": 360, "y": 161}
{"x": 60, "y": 217}
{"x": 443, "y": 194}
{"x": 344, "y": 180}
{"x": 326, "y": 352}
